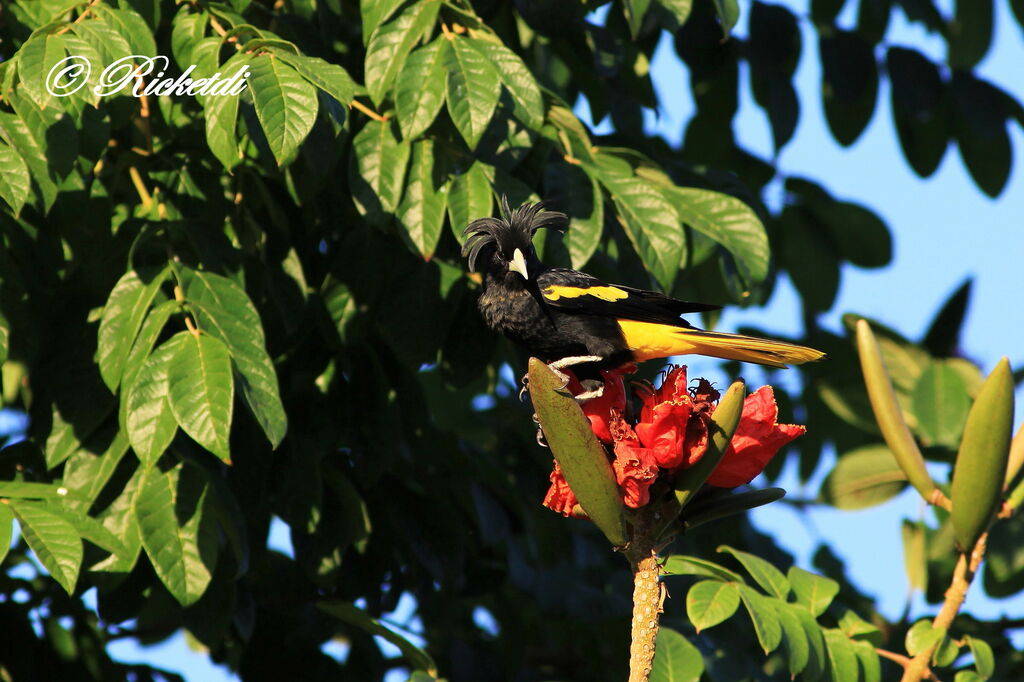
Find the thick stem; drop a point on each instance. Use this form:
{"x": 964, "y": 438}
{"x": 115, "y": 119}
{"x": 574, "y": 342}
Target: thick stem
{"x": 966, "y": 567}
{"x": 648, "y": 597}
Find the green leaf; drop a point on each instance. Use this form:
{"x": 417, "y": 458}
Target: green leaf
{"x": 675, "y": 659}
{"x": 582, "y": 458}
{"x": 947, "y": 652}
{"x": 940, "y": 403}
{"x": 570, "y": 188}
{"x": 45, "y": 144}
{"x": 6, "y": 530}
{"x": 38, "y": 58}
{"x": 376, "y": 12}
{"x": 767, "y": 576}
{"x": 863, "y": 478}
{"x": 129, "y": 24}
{"x": 201, "y": 391}
{"x": 919, "y": 108}
{"x": 469, "y": 198}
{"x": 970, "y": 33}
{"x": 90, "y": 467}
{"x": 224, "y": 310}
{"x": 328, "y": 77}
{"x": 967, "y": 676}
{"x": 915, "y": 558}
{"x": 635, "y": 11}
{"x": 221, "y": 114}
{"x": 391, "y": 43}
{"x": 943, "y": 336}
{"x": 52, "y": 539}
{"x": 473, "y": 90}
{"x": 728, "y": 12}
{"x": 981, "y": 461}
{"x": 377, "y": 171}
{"x": 979, "y": 126}
{"x": 350, "y": 613}
{"x": 187, "y": 28}
{"x": 649, "y": 220}
{"x": 30, "y": 490}
{"x": 812, "y": 591}
{"x": 286, "y": 104}
{"x": 517, "y": 79}
{"x": 870, "y": 665}
{"x": 419, "y": 91}
{"x": 922, "y": 636}
{"x": 123, "y": 314}
{"x": 14, "y": 179}
{"x": 710, "y": 602}
{"x": 841, "y": 655}
{"x": 149, "y": 420}
{"x": 984, "y": 659}
{"x": 763, "y": 617}
{"x": 681, "y": 564}
{"x": 678, "y": 12}
{"x": 850, "y": 83}
{"x": 798, "y": 650}
{"x": 177, "y": 530}
{"x": 423, "y": 206}
{"x": 817, "y": 660}
{"x": 731, "y": 223}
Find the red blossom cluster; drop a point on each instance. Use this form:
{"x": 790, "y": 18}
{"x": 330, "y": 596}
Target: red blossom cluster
{"x": 671, "y": 434}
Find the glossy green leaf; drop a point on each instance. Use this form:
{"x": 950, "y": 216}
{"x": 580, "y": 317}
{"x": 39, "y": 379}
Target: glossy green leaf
{"x": 90, "y": 467}
{"x": 870, "y": 664}
{"x": 675, "y": 659}
{"x": 128, "y": 23}
{"x": 149, "y": 420}
{"x": 47, "y": 146}
{"x": 151, "y": 328}
{"x": 649, "y": 221}
{"x": 201, "y": 392}
{"x": 709, "y": 602}
{"x": 967, "y": 676}
{"x": 863, "y": 478}
{"x": 349, "y": 613}
{"x": 798, "y": 650}
{"x": 731, "y": 223}
{"x": 817, "y": 658}
{"x": 376, "y": 12}
{"x": 224, "y": 310}
{"x": 678, "y": 12}
{"x": 286, "y": 104}
{"x": 473, "y": 90}
{"x": 923, "y": 636}
{"x": 123, "y": 316}
{"x": 984, "y": 659}
{"x": 420, "y": 88}
{"x": 120, "y": 519}
{"x": 517, "y": 79}
{"x": 940, "y": 403}
{"x": 30, "y": 490}
{"x": 176, "y": 530}
{"x": 221, "y": 114}
{"x": 915, "y": 558}
{"x": 943, "y": 336}
{"x": 469, "y": 197}
{"x": 702, "y": 511}
{"x": 680, "y": 564}
{"x": 328, "y": 77}
{"x": 979, "y": 126}
{"x": 919, "y": 108}
{"x": 391, "y": 43}
{"x": 423, "y": 206}
{"x": 569, "y": 188}
{"x": 187, "y": 28}
{"x": 6, "y": 529}
{"x": 582, "y": 458}
{"x": 763, "y": 617}
{"x": 947, "y": 652}
{"x": 981, "y": 461}
{"x": 888, "y": 414}
{"x": 812, "y": 591}
{"x": 37, "y": 59}
{"x": 377, "y": 174}
{"x": 764, "y": 574}
{"x": 14, "y": 178}
{"x": 52, "y": 539}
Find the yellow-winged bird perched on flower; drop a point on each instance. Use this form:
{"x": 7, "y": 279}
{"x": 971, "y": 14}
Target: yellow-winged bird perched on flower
{"x": 569, "y": 318}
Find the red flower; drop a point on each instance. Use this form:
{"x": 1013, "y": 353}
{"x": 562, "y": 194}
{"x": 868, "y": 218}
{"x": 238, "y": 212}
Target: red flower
{"x": 758, "y": 437}
{"x": 611, "y": 401}
{"x": 560, "y": 496}
{"x": 673, "y": 424}
{"x": 635, "y": 466}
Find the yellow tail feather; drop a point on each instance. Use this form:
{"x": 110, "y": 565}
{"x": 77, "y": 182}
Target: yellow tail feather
{"x": 649, "y": 340}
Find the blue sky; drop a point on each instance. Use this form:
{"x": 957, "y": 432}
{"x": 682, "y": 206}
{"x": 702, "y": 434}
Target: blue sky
{"x": 944, "y": 231}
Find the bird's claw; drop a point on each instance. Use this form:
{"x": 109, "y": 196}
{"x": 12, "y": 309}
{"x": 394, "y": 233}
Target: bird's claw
{"x": 526, "y": 387}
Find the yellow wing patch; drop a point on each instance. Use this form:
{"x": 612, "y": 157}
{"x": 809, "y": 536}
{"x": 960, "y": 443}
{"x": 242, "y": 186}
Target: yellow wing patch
{"x": 605, "y": 293}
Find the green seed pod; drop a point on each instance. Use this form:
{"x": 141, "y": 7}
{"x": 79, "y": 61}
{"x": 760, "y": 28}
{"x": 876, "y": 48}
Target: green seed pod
{"x": 724, "y": 421}
{"x": 888, "y": 415}
{"x": 581, "y": 456}
{"x": 981, "y": 461}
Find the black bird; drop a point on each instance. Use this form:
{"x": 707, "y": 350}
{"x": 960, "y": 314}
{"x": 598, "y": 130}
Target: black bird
{"x": 566, "y": 317}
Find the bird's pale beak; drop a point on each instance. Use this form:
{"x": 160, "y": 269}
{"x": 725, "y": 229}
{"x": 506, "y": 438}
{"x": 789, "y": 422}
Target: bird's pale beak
{"x": 518, "y": 264}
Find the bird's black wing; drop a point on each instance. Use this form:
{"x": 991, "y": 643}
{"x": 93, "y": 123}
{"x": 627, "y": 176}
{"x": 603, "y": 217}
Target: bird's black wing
{"x": 571, "y": 291}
